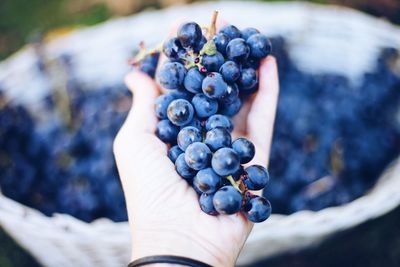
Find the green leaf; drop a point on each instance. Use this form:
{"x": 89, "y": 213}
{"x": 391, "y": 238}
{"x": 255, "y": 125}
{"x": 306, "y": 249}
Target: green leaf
{"x": 209, "y": 48}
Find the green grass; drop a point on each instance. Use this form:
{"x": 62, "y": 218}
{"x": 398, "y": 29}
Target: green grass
{"x": 20, "y": 18}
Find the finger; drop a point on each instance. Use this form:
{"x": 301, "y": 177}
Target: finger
{"x": 142, "y": 117}
{"x": 261, "y": 118}
{"x": 240, "y": 120}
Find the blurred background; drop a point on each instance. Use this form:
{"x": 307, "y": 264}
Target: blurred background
{"x": 19, "y": 19}
{"x": 374, "y": 243}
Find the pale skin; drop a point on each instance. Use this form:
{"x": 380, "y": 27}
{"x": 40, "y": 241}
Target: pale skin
{"x": 164, "y": 214}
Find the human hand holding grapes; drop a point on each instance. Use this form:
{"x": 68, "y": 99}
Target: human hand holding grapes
{"x": 164, "y": 213}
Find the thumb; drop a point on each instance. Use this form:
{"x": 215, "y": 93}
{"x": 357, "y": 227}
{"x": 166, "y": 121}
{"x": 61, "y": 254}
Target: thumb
{"x": 142, "y": 117}
{"x": 261, "y": 118}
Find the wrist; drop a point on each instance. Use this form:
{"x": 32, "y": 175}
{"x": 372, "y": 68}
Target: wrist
{"x": 177, "y": 243}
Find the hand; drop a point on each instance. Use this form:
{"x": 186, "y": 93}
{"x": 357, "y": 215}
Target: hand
{"x": 164, "y": 213}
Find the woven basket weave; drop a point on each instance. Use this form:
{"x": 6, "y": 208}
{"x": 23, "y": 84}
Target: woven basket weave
{"x": 353, "y": 40}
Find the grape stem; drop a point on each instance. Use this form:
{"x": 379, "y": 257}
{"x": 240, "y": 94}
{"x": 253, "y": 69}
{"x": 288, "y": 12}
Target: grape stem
{"x": 234, "y": 183}
{"x": 213, "y": 27}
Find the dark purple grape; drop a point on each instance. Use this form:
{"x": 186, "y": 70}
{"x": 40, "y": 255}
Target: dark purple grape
{"x": 230, "y": 71}
{"x": 183, "y": 169}
{"x": 180, "y": 112}
{"x": 206, "y": 204}
{"x": 230, "y": 109}
{"x": 198, "y": 156}
{"x": 260, "y": 45}
{"x": 221, "y": 40}
{"x": 166, "y": 131}
{"x": 173, "y": 49}
{"x": 174, "y": 152}
{"x": 246, "y": 33}
{"x": 207, "y": 181}
{"x": 237, "y": 50}
{"x": 245, "y": 149}
{"x": 227, "y": 200}
{"x": 231, "y": 31}
{"x": 188, "y": 136}
{"x": 257, "y": 177}
{"x": 190, "y": 35}
{"x": 248, "y": 79}
{"x": 204, "y": 106}
{"x": 212, "y": 63}
{"x": 231, "y": 94}
{"x": 193, "y": 80}
{"x": 162, "y": 103}
{"x": 214, "y": 85}
{"x": 217, "y": 138}
{"x": 225, "y": 161}
{"x": 257, "y": 209}
{"x": 218, "y": 120}
{"x": 171, "y": 75}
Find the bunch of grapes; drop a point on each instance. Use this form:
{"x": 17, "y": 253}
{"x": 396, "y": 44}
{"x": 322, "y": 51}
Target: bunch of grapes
{"x": 208, "y": 80}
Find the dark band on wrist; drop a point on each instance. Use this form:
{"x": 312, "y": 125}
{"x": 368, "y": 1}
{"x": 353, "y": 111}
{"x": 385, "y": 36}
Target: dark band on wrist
{"x": 167, "y": 259}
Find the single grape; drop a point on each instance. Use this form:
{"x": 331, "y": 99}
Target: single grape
{"x": 206, "y": 204}
{"x": 197, "y": 156}
{"x": 231, "y": 94}
{"x": 260, "y": 45}
{"x": 214, "y": 85}
{"x": 221, "y": 40}
{"x": 246, "y": 33}
{"x": 257, "y": 209}
{"x": 180, "y": 112}
{"x": 227, "y": 200}
{"x": 162, "y": 103}
{"x": 174, "y": 152}
{"x": 245, "y": 149}
{"x": 193, "y": 80}
{"x": 219, "y": 120}
{"x": 231, "y": 31}
{"x": 189, "y": 34}
{"x": 225, "y": 161}
{"x": 187, "y": 136}
{"x": 183, "y": 169}
{"x": 213, "y": 62}
{"x": 195, "y": 122}
{"x": 207, "y": 181}
{"x": 257, "y": 177}
{"x": 237, "y": 50}
{"x": 230, "y": 71}
{"x": 248, "y": 79}
{"x": 217, "y": 138}
{"x": 204, "y": 106}
{"x": 173, "y": 49}
{"x": 166, "y": 131}
{"x": 230, "y": 109}
{"x": 172, "y": 75}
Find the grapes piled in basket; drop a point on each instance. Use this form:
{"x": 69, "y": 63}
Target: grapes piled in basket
{"x": 207, "y": 81}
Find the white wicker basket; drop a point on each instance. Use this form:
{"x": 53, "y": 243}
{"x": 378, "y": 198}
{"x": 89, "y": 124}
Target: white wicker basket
{"x": 320, "y": 38}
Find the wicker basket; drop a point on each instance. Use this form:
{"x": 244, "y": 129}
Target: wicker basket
{"x": 62, "y": 240}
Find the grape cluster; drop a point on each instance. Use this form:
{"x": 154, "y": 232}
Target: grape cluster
{"x": 207, "y": 81}
{"x": 54, "y": 167}
{"x": 333, "y": 138}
